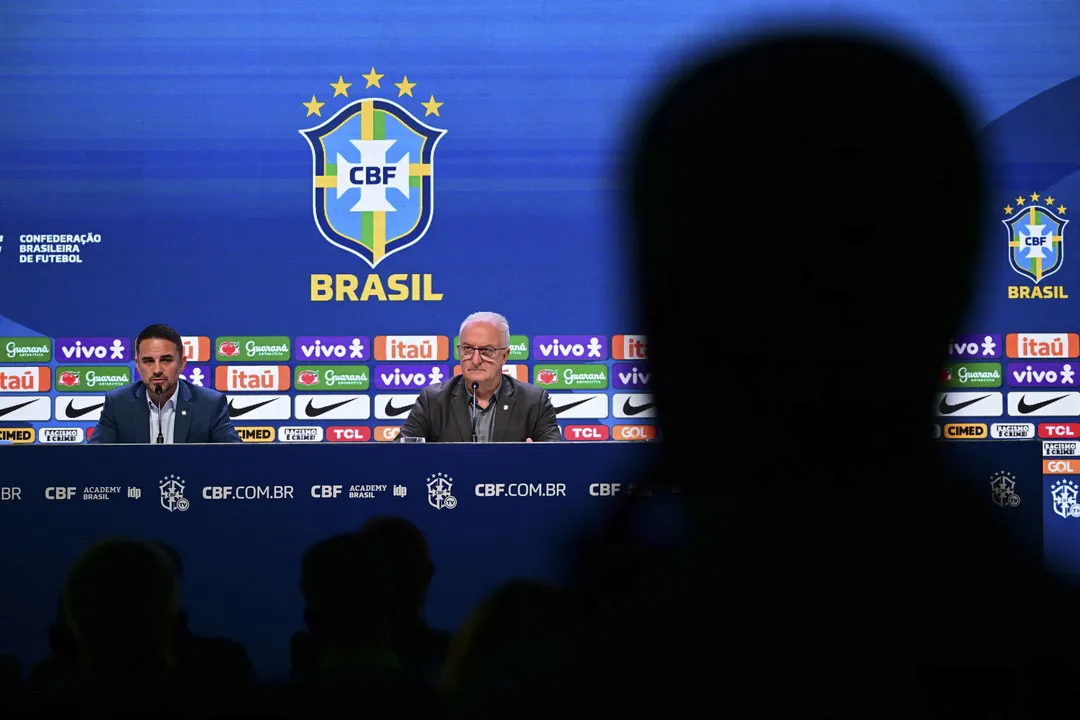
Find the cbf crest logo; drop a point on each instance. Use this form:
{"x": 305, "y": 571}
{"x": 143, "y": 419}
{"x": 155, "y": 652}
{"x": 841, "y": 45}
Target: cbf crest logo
{"x": 1036, "y": 236}
{"x": 1064, "y": 494}
{"x": 439, "y": 487}
{"x": 1003, "y": 489}
{"x": 172, "y": 494}
{"x": 373, "y": 169}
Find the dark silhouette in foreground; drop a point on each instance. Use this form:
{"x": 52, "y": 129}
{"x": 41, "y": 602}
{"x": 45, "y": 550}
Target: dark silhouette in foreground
{"x": 418, "y": 646}
{"x": 833, "y": 569}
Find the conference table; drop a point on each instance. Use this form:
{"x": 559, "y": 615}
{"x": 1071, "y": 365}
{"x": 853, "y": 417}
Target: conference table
{"x": 241, "y": 517}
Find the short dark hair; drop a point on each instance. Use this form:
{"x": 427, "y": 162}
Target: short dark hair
{"x": 160, "y": 332}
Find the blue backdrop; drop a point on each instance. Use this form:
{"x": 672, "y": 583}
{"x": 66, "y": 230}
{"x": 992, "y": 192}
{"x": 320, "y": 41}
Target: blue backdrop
{"x": 194, "y": 163}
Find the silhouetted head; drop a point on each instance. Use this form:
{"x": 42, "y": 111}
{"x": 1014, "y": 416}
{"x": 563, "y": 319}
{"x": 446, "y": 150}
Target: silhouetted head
{"x": 345, "y": 581}
{"x": 121, "y": 606}
{"x": 511, "y": 637}
{"x": 411, "y": 568}
{"x": 806, "y": 211}
{"x": 174, "y": 557}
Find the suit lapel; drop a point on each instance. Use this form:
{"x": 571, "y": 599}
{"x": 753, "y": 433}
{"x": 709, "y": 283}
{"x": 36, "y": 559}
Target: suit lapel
{"x": 182, "y": 414}
{"x": 459, "y": 408}
{"x": 502, "y": 417}
{"x": 141, "y": 417}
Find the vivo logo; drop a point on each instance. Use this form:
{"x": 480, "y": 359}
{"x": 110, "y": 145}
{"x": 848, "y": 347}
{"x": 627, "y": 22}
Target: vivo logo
{"x": 970, "y": 347}
{"x": 630, "y": 375}
{"x": 388, "y": 377}
{"x": 93, "y": 348}
{"x": 1047, "y": 374}
{"x": 550, "y": 347}
{"x": 332, "y": 348}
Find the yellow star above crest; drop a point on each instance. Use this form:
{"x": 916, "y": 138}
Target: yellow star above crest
{"x": 405, "y": 87}
{"x": 341, "y": 87}
{"x": 313, "y": 107}
{"x": 1062, "y": 209}
{"x": 1034, "y": 197}
{"x": 1019, "y": 200}
{"x": 432, "y": 107}
{"x": 373, "y": 79}
{"x": 1008, "y": 209}
{"x": 1050, "y": 201}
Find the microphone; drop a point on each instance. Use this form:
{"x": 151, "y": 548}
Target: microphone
{"x": 160, "y": 436}
{"x": 475, "y": 387}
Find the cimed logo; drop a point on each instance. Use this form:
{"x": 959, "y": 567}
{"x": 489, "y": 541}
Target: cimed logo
{"x": 1003, "y": 489}
{"x": 373, "y": 169}
{"x": 1036, "y": 236}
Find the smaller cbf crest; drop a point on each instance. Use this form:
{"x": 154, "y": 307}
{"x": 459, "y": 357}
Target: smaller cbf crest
{"x": 373, "y": 172}
{"x": 1036, "y": 237}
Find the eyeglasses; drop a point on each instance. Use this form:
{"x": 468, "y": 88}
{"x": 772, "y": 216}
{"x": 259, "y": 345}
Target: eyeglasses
{"x": 487, "y": 352}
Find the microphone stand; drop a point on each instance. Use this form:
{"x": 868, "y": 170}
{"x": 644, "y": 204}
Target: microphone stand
{"x": 160, "y": 436}
{"x": 475, "y": 388}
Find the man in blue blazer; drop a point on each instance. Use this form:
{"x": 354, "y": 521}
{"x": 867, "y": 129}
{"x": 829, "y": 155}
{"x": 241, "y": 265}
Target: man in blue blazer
{"x": 161, "y": 407}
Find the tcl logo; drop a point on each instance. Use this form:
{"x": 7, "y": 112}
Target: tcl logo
{"x": 386, "y": 433}
{"x": 1059, "y": 430}
{"x": 604, "y": 489}
{"x": 586, "y": 432}
{"x": 357, "y": 433}
{"x": 59, "y": 493}
{"x": 196, "y": 348}
{"x": 633, "y": 432}
{"x": 325, "y": 491}
{"x": 253, "y": 377}
{"x": 89, "y": 432}
{"x": 1061, "y": 467}
{"x": 629, "y": 347}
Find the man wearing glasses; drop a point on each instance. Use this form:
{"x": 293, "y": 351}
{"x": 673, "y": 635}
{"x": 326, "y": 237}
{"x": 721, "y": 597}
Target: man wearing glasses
{"x": 506, "y": 410}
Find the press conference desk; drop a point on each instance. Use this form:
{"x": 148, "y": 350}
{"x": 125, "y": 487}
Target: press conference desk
{"x": 242, "y": 516}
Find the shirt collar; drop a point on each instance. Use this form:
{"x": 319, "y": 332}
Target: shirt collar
{"x": 171, "y": 401}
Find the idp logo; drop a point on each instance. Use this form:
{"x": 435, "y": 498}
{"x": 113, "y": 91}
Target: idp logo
{"x": 373, "y": 168}
{"x": 1036, "y": 243}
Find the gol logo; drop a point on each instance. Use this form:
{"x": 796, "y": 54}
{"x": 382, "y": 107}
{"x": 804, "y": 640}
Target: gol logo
{"x": 357, "y": 433}
{"x": 386, "y": 433}
{"x": 965, "y": 431}
{"x": 586, "y": 432}
{"x": 633, "y": 432}
{"x": 256, "y": 434}
{"x": 1061, "y": 467}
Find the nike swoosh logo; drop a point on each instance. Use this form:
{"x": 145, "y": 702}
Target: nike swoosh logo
{"x": 392, "y": 411}
{"x": 13, "y": 408}
{"x": 73, "y": 412}
{"x": 312, "y": 411}
{"x": 564, "y": 408}
{"x": 946, "y": 409}
{"x": 1024, "y": 408}
{"x": 237, "y": 412}
{"x": 635, "y": 409}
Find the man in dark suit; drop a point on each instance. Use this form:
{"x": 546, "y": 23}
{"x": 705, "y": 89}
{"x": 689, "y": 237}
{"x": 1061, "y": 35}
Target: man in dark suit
{"x": 507, "y": 410}
{"x": 161, "y": 407}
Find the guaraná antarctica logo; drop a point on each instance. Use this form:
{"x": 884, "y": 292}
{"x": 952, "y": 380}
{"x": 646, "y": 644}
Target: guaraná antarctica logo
{"x": 373, "y": 165}
{"x": 1036, "y": 235}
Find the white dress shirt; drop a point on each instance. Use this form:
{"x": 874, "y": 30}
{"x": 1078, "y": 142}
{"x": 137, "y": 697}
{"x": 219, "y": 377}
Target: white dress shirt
{"x": 167, "y": 414}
